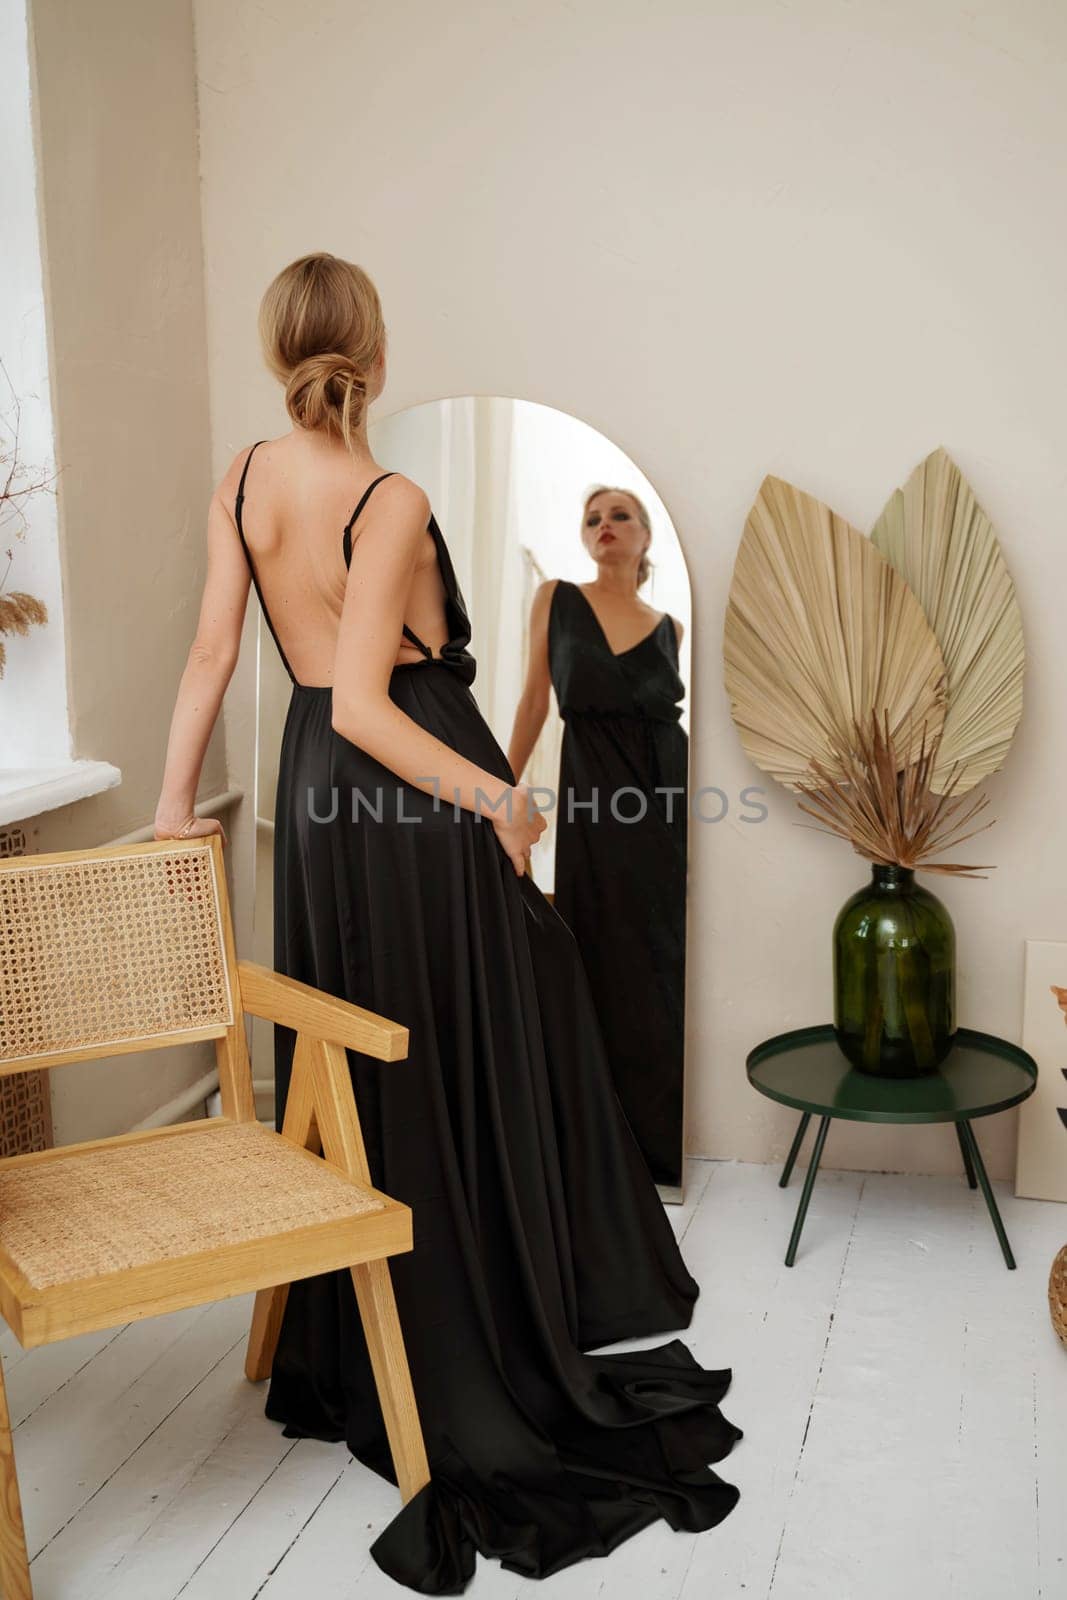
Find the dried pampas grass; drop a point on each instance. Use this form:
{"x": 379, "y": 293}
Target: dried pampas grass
{"x": 17, "y": 612}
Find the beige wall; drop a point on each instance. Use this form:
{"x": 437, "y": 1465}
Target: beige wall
{"x": 816, "y": 240}
{"x": 117, "y": 152}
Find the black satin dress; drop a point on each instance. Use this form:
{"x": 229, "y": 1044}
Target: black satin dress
{"x": 620, "y": 876}
{"x": 537, "y": 1230}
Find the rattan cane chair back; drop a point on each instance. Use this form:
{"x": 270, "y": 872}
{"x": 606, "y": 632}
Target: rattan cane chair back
{"x": 111, "y": 950}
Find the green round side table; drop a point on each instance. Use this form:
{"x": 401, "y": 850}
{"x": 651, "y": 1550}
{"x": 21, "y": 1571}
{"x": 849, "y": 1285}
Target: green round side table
{"x": 807, "y": 1069}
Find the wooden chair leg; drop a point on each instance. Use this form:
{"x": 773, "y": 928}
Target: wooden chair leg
{"x": 266, "y": 1326}
{"x": 320, "y": 1113}
{"x": 300, "y": 1126}
{"x": 385, "y": 1342}
{"x": 14, "y": 1561}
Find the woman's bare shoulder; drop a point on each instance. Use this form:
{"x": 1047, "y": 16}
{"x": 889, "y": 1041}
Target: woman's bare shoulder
{"x": 404, "y": 496}
{"x": 227, "y": 486}
{"x": 396, "y": 518}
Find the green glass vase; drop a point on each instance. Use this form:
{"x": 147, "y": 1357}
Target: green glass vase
{"x": 894, "y": 976}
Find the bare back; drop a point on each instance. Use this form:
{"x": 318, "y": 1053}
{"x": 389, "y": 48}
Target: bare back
{"x": 295, "y": 512}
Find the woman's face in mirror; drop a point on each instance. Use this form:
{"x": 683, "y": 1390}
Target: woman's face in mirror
{"x": 612, "y": 532}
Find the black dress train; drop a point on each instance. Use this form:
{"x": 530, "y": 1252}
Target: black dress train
{"x": 620, "y": 875}
{"x": 537, "y": 1230}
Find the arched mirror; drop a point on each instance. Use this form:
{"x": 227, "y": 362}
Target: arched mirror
{"x": 527, "y": 495}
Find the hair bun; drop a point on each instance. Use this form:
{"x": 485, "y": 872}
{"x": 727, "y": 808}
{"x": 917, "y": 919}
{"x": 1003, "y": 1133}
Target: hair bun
{"x": 320, "y": 323}
{"x": 329, "y": 366}
{"x": 327, "y": 390}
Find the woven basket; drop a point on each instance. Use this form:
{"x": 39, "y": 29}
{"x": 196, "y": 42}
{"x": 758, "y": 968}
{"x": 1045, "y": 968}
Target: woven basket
{"x": 1057, "y": 1294}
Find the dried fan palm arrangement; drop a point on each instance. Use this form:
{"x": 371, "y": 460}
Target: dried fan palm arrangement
{"x": 881, "y": 678}
{"x": 935, "y": 534}
{"x": 821, "y": 634}
{"x": 887, "y": 808}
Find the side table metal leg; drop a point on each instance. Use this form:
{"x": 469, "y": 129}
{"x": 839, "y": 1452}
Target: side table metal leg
{"x": 794, "y": 1150}
{"x": 805, "y": 1194}
{"x": 970, "y": 1143}
{"x": 967, "y": 1162}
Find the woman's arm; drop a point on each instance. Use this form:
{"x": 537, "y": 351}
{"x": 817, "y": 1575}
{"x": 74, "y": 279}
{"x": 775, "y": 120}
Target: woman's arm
{"x": 208, "y": 670}
{"x": 384, "y": 557}
{"x": 532, "y": 708}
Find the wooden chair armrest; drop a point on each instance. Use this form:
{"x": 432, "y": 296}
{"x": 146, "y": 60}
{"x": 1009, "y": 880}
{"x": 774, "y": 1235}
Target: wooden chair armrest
{"x": 324, "y": 1016}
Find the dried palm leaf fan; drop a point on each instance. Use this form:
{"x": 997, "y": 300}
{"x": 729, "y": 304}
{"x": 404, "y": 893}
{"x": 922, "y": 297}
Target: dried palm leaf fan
{"x": 822, "y": 635}
{"x": 935, "y": 534}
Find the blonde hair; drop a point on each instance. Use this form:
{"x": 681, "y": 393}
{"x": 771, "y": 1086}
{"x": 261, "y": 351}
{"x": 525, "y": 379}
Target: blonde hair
{"x": 644, "y": 567}
{"x": 321, "y": 327}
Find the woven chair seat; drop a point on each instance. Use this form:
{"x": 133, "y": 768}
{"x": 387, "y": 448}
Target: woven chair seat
{"x": 65, "y": 1218}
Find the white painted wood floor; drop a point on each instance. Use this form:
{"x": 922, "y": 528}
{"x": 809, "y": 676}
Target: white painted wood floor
{"x": 903, "y": 1397}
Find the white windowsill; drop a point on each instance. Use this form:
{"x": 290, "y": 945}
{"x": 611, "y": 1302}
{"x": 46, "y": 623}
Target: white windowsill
{"x": 27, "y": 791}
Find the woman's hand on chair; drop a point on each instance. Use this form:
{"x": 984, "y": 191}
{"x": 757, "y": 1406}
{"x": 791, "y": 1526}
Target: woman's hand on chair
{"x": 188, "y": 828}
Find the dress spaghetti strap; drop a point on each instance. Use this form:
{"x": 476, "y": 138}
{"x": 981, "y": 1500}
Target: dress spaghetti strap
{"x": 346, "y": 542}
{"x": 346, "y": 545}
{"x": 238, "y": 507}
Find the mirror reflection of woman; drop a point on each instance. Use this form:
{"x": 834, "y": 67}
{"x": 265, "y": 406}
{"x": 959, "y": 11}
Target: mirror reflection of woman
{"x": 620, "y": 870}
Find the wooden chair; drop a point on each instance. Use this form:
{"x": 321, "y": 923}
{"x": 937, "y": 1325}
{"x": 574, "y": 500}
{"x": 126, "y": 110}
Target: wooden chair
{"x": 131, "y": 948}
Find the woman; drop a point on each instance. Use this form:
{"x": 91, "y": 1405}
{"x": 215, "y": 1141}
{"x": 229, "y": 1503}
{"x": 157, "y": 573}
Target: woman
{"x": 620, "y": 877}
{"x": 537, "y": 1230}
